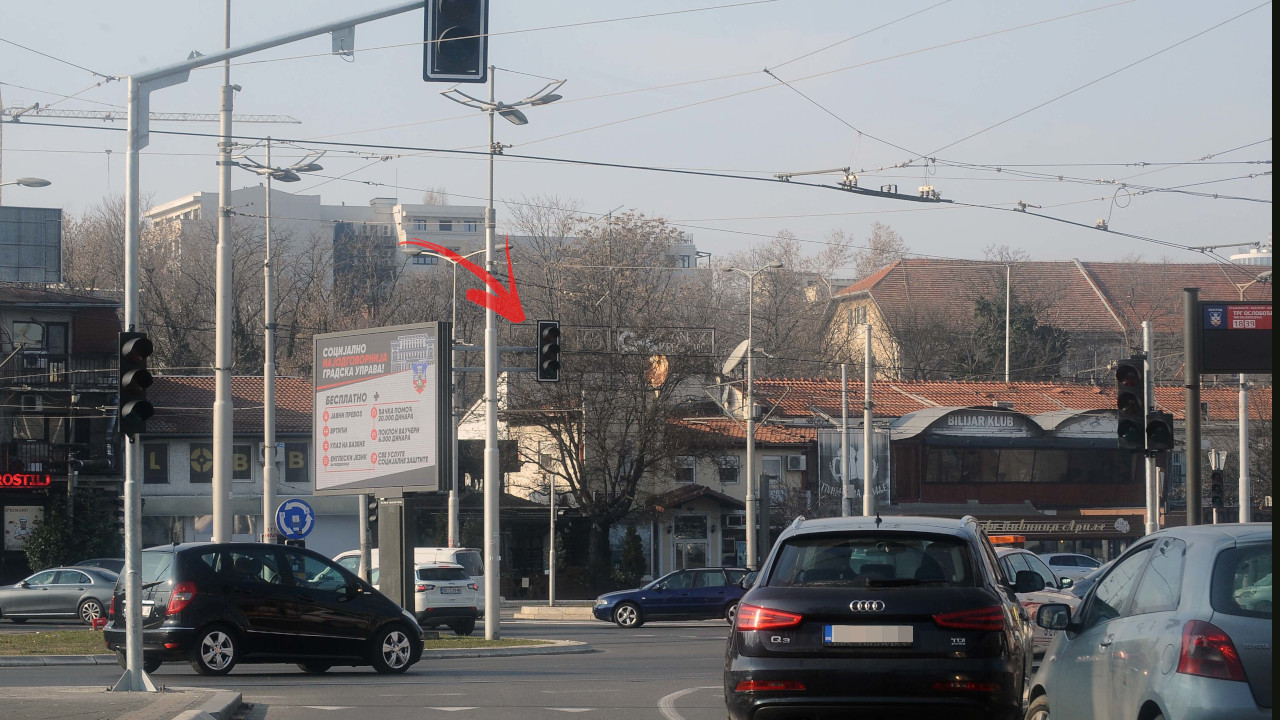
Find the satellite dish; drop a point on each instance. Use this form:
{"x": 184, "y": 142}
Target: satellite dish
{"x": 735, "y": 357}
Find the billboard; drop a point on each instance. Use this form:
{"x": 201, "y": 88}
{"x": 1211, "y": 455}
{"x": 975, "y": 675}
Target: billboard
{"x": 19, "y": 521}
{"x": 30, "y": 244}
{"x": 1235, "y": 337}
{"x": 831, "y": 474}
{"x": 381, "y": 416}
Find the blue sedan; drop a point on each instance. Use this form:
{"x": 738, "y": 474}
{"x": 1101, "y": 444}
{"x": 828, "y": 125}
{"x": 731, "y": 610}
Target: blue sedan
{"x": 701, "y": 594}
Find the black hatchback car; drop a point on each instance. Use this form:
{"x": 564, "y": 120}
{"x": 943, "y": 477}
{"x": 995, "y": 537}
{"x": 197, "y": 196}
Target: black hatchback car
{"x": 217, "y": 605}
{"x": 901, "y": 617}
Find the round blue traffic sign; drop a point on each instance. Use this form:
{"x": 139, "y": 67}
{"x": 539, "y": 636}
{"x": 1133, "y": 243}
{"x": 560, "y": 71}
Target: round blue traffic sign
{"x": 295, "y": 518}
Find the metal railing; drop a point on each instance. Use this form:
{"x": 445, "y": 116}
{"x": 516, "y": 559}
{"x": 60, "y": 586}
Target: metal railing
{"x": 37, "y": 368}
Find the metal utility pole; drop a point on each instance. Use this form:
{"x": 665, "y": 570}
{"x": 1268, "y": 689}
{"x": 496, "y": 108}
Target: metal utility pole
{"x": 551, "y": 543}
{"x": 269, "y": 470}
{"x": 222, "y": 407}
{"x": 362, "y": 515}
{"x": 1191, "y": 380}
{"x": 1246, "y": 497}
{"x": 492, "y": 482}
{"x": 868, "y": 483}
{"x": 846, "y": 502}
{"x": 1149, "y": 457}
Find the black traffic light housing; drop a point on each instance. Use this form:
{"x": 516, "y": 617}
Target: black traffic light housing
{"x": 1131, "y": 411}
{"x": 132, "y": 406}
{"x": 1215, "y": 488}
{"x": 548, "y": 369}
{"x": 456, "y": 47}
{"x": 1159, "y": 431}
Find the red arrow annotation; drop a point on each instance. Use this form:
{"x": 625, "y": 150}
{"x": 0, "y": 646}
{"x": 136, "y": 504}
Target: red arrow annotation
{"x": 498, "y": 299}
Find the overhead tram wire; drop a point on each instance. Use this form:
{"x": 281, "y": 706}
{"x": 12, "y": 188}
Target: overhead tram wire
{"x": 104, "y": 76}
{"x": 861, "y": 34}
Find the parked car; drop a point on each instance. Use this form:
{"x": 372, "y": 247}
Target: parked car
{"x": 115, "y": 565}
{"x": 1173, "y": 629}
{"x": 217, "y": 605}
{"x": 1055, "y": 590}
{"x": 892, "y": 617}
{"x": 443, "y": 594}
{"x": 1072, "y": 565}
{"x": 62, "y": 592}
{"x": 701, "y": 594}
{"x": 1081, "y": 587}
{"x": 471, "y": 559}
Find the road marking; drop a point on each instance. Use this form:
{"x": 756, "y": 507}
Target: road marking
{"x": 667, "y": 705}
{"x": 327, "y": 707}
{"x": 451, "y": 709}
{"x": 572, "y": 709}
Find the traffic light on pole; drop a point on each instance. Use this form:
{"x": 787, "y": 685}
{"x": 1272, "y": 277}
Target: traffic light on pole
{"x": 456, "y": 47}
{"x": 132, "y": 407}
{"x": 1159, "y": 431}
{"x": 548, "y": 369}
{"x": 1215, "y": 488}
{"x": 1131, "y": 414}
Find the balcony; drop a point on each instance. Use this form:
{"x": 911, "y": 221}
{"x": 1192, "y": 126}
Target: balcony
{"x": 40, "y": 369}
{"x": 39, "y": 456}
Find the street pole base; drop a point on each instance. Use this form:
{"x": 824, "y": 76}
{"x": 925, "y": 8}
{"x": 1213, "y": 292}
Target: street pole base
{"x": 126, "y": 683}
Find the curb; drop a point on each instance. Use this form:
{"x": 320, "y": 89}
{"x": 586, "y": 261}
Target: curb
{"x": 45, "y": 660}
{"x": 221, "y": 706}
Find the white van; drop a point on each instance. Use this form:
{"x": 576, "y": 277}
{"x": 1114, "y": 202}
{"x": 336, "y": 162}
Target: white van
{"x": 470, "y": 559}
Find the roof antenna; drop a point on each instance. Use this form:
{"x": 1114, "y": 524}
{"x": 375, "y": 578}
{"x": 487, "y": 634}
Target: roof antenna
{"x": 878, "y": 518}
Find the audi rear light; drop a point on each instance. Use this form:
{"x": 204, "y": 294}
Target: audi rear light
{"x": 182, "y": 595}
{"x": 1207, "y": 651}
{"x": 755, "y": 617}
{"x": 984, "y": 618}
{"x": 769, "y": 685}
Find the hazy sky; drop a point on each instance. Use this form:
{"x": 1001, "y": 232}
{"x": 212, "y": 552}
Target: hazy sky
{"x": 671, "y": 84}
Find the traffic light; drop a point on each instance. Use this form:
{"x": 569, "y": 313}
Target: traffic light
{"x": 133, "y": 408}
{"x": 1131, "y": 418}
{"x": 1159, "y": 431}
{"x": 1215, "y": 488}
{"x": 456, "y": 47}
{"x": 373, "y": 509}
{"x": 548, "y": 369}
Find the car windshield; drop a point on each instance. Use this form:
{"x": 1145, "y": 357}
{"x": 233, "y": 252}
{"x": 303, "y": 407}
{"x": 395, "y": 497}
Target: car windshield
{"x": 442, "y": 574}
{"x": 471, "y": 562}
{"x": 872, "y": 559}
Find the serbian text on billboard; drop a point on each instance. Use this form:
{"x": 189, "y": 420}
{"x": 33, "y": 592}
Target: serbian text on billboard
{"x": 381, "y": 409}
{"x": 830, "y": 472}
{"x": 1235, "y": 337}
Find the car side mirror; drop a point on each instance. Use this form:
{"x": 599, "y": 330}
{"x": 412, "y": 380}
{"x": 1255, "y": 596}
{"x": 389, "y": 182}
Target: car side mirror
{"x": 748, "y": 580}
{"x": 24, "y": 584}
{"x": 1053, "y": 616}
{"x": 1028, "y": 581}
{"x": 1066, "y": 582}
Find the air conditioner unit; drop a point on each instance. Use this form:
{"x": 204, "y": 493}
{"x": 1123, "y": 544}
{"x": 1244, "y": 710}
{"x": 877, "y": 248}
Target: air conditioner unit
{"x": 796, "y": 462}
{"x": 31, "y": 361}
{"x": 32, "y": 403}
{"x": 735, "y": 521}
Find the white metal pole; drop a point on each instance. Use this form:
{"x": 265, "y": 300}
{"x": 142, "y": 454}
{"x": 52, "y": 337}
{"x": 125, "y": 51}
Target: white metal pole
{"x": 362, "y": 513}
{"x": 551, "y": 543}
{"x": 492, "y": 483}
{"x": 1149, "y": 460}
{"x": 222, "y": 407}
{"x": 269, "y": 470}
{"x": 846, "y": 502}
{"x": 453, "y": 434}
{"x": 754, "y": 521}
{"x": 1008, "y": 295}
{"x": 868, "y": 483}
{"x": 1246, "y": 497}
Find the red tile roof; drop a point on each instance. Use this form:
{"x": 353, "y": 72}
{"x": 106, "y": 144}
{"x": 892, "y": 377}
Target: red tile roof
{"x": 184, "y": 405}
{"x": 718, "y": 430}
{"x": 1083, "y": 297}
{"x": 796, "y": 396}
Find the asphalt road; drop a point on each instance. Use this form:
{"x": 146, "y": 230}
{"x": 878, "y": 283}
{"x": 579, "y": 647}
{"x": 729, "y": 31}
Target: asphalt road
{"x": 669, "y": 670}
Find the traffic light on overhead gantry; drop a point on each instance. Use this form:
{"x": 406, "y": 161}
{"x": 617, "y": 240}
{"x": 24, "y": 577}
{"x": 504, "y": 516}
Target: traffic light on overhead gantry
{"x": 548, "y": 369}
{"x": 1159, "y": 431}
{"x": 132, "y": 406}
{"x": 1131, "y": 413}
{"x": 1215, "y": 488}
{"x": 456, "y": 47}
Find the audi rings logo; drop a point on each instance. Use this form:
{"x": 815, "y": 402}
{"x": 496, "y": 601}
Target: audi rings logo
{"x": 867, "y": 605}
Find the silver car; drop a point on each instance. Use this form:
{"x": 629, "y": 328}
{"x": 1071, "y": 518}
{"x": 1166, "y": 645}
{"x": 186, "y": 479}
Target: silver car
{"x": 1179, "y": 627}
{"x": 63, "y": 592}
{"x": 1072, "y": 565}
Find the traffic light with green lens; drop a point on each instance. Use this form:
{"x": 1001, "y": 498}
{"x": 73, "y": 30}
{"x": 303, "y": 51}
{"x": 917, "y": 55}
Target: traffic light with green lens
{"x": 1215, "y": 489}
{"x": 548, "y": 369}
{"x": 1159, "y": 431}
{"x": 456, "y": 47}
{"x": 1131, "y": 412}
{"x": 132, "y": 406}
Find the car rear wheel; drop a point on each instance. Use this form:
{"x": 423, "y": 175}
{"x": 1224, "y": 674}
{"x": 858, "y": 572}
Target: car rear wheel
{"x": 627, "y": 615}
{"x": 89, "y": 611}
{"x": 314, "y": 668}
{"x": 731, "y": 612}
{"x": 391, "y": 650}
{"x": 1039, "y": 709}
{"x": 464, "y": 628}
{"x": 215, "y": 652}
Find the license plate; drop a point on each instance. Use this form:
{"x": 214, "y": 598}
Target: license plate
{"x": 450, "y": 591}
{"x": 869, "y": 635}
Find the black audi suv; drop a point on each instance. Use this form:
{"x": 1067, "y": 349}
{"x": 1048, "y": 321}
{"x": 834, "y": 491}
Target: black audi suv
{"x": 218, "y": 605}
{"x": 897, "y": 617}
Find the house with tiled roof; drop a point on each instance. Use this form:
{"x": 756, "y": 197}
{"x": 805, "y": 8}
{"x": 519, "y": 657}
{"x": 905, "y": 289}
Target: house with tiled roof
{"x": 922, "y": 311}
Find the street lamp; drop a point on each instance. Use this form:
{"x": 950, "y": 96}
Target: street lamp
{"x": 453, "y": 340}
{"x": 757, "y": 521}
{"x": 31, "y": 182}
{"x": 283, "y": 174}
{"x": 492, "y": 485}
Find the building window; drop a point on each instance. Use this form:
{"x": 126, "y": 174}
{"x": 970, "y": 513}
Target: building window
{"x": 29, "y": 335}
{"x": 860, "y": 315}
{"x": 1024, "y": 465}
{"x": 730, "y": 467}
{"x": 469, "y": 226}
{"x": 419, "y": 224}
{"x": 684, "y": 470}
{"x": 684, "y": 261}
{"x": 155, "y": 463}
{"x": 426, "y": 260}
{"x": 296, "y": 467}
{"x": 446, "y": 225}
{"x": 241, "y": 462}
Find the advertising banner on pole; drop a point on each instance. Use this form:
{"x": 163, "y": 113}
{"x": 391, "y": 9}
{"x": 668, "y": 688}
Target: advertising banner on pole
{"x": 381, "y": 415}
{"x": 19, "y": 521}
{"x": 831, "y": 474}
